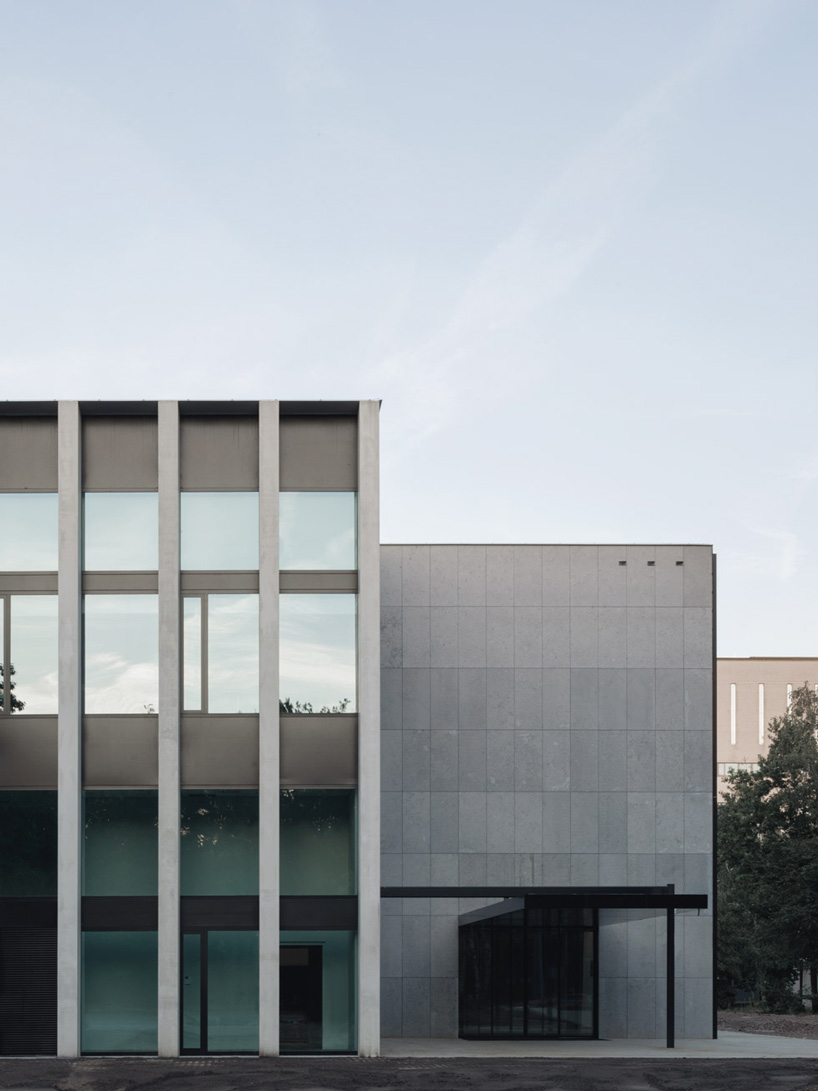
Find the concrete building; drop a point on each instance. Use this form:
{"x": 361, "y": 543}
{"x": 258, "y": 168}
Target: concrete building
{"x": 191, "y": 730}
{"x": 750, "y": 692}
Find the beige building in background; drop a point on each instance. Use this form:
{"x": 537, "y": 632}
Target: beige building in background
{"x": 749, "y": 693}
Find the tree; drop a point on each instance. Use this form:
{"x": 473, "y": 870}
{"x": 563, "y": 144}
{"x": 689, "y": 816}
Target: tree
{"x": 768, "y": 862}
{"x": 16, "y": 704}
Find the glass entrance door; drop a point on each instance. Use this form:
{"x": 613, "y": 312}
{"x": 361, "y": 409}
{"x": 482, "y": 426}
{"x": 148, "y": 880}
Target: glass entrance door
{"x": 219, "y": 991}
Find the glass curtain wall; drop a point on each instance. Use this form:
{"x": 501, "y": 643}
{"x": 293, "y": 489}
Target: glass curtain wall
{"x": 120, "y": 531}
{"x": 121, "y": 657}
{"x": 29, "y": 539}
{"x": 318, "y": 998}
{"x": 29, "y": 657}
{"x": 220, "y": 639}
{"x": 318, "y": 653}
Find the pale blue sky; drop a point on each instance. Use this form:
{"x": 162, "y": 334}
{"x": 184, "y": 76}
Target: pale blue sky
{"x": 570, "y": 243}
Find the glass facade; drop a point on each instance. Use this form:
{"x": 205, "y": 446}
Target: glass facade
{"x": 29, "y": 540}
{"x": 318, "y": 530}
{"x": 119, "y": 992}
{"x": 120, "y": 531}
{"x": 121, "y": 653}
{"x": 219, "y": 842}
{"x": 318, "y": 991}
{"x": 317, "y": 654}
{"x": 318, "y": 838}
{"x": 221, "y": 645}
{"x": 219, "y": 531}
{"x": 120, "y": 852}
{"x": 28, "y": 844}
{"x": 32, "y": 654}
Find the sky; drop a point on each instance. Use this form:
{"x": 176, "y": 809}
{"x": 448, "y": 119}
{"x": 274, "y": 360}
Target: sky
{"x": 571, "y": 244}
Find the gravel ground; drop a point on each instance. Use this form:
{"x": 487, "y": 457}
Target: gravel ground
{"x": 351, "y": 1074}
{"x": 782, "y": 1026}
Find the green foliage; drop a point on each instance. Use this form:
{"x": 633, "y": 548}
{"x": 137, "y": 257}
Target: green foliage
{"x": 16, "y": 704}
{"x": 291, "y": 707}
{"x": 768, "y": 862}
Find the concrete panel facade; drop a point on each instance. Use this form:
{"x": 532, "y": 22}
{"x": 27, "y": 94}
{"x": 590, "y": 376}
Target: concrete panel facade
{"x": 547, "y": 720}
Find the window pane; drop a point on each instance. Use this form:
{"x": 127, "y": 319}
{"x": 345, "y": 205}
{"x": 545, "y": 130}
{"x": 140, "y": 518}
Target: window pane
{"x": 34, "y": 657}
{"x": 232, "y": 992}
{"x": 318, "y": 991}
{"x": 219, "y": 842}
{"x": 121, "y": 531}
{"x": 2, "y": 649}
{"x": 317, "y": 653}
{"x": 119, "y": 992}
{"x": 193, "y": 654}
{"x": 29, "y": 539}
{"x": 121, "y": 653}
{"x": 318, "y": 841}
{"x": 232, "y": 653}
{"x": 120, "y": 855}
{"x": 219, "y": 531}
{"x": 28, "y": 844}
{"x": 317, "y": 530}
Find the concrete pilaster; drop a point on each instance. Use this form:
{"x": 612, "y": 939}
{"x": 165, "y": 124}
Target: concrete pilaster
{"x": 69, "y": 768}
{"x": 369, "y": 754}
{"x": 268, "y": 764}
{"x": 169, "y": 709}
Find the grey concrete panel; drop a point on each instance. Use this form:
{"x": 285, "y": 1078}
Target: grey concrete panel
{"x": 584, "y": 869}
{"x": 697, "y": 936}
{"x": 556, "y": 869}
{"x": 670, "y": 828}
{"x": 391, "y": 699}
{"x": 416, "y": 637}
{"x": 220, "y": 453}
{"x": 443, "y": 1015}
{"x": 28, "y": 454}
{"x": 641, "y": 636}
{"x": 642, "y": 1007}
{"x": 471, "y": 700}
{"x": 669, "y": 576}
{"x": 556, "y": 822}
{"x": 444, "y": 946}
{"x": 528, "y": 821}
{"x": 472, "y": 869}
{"x": 417, "y": 950}
{"x": 528, "y": 637}
{"x": 391, "y": 575}
{"x": 612, "y": 579}
{"x": 443, "y": 870}
{"x": 698, "y": 822}
{"x": 444, "y": 695}
{"x": 416, "y": 1007}
{"x": 392, "y": 868}
{"x": 641, "y": 761}
{"x": 416, "y": 761}
{"x": 669, "y": 637}
{"x": 528, "y": 761}
{"x": 556, "y": 762}
{"x": 584, "y": 822}
{"x": 319, "y": 751}
{"x": 500, "y": 761}
{"x": 216, "y": 581}
{"x": 584, "y": 699}
{"x": 528, "y": 710}
{"x": 613, "y": 1007}
{"x": 500, "y": 575}
{"x": 670, "y": 761}
{"x": 217, "y": 751}
{"x": 642, "y": 936}
{"x": 528, "y": 576}
{"x": 556, "y": 696}
{"x": 698, "y": 1007}
{"x": 416, "y": 821}
{"x": 445, "y": 822}
{"x": 641, "y": 585}
{"x": 471, "y": 762}
{"x": 613, "y": 824}
{"x": 584, "y": 761}
{"x": 613, "y": 943}
{"x": 698, "y": 576}
{"x": 391, "y": 946}
{"x": 613, "y": 869}
{"x": 443, "y": 773}
{"x": 613, "y": 630}
{"x": 443, "y": 575}
{"x": 613, "y": 699}
{"x": 698, "y": 700}
{"x": 119, "y": 751}
{"x": 698, "y": 874}
{"x": 391, "y": 822}
{"x": 500, "y": 698}
{"x": 471, "y": 575}
{"x": 528, "y": 869}
{"x": 316, "y": 582}
{"x": 21, "y": 582}
{"x": 670, "y": 699}
{"x": 391, "y": 637}
{"x": 471, "y": 636}
{"x": 641, "y": 699}
{"x": 318, "y": 453}
{"x": 472, "y": 821}
{"x": 391, "y": 1006}
{"x": 556, "y": 638}
{"x": 698, "y": 761}
{"x": 444, "y": 636}
{"x": 499, "y": 867}
{"x": 641, "y": 822}
{"x": 119, "y": 453}
{"x": 670, "y": 868}
{"x": 613, "y": 761}
{"x": 556, "y": 576}
{"x": 500, "y": 636}
{"x": 698, "y": 637}
{"x": 584, "y": 636}
{"x": 584, "y": 575}
{"x": 417, "y": 697}
{"x": 415, "y": 575}
{"x": 28, "y": 752}
{"x": 119, "y": 582}
{"x": 641, "y": 869}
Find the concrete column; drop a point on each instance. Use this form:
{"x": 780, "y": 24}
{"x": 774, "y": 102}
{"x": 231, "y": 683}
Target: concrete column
{"x": 168, "y": 714}
{"x": 369, "y": 733}
{"x": 69, "y": 747}
{"x": 268, "y": 738}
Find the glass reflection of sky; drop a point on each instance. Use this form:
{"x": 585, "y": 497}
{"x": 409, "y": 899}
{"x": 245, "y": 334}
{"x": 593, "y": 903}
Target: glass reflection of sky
{"x": 219, "y": 531}
{"x": 232, "y": 653}
{"x": 121, "y": 653}
{"x": 34, "y": 652}
{"x": 192, "y": 667}
{"x": 121, "y": 531}
{"x": 28, "y": 532}
{"x": 317, "y": 650}
{"x": 317, "y": 530}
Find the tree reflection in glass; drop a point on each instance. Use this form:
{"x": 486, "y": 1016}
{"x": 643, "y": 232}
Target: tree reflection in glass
{"x": 317, "y": 653}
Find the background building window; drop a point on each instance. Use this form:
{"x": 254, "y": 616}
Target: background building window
{"x": 318, "y": 530}
{"x": 317, "y": 653}
{"x": 29, "y": 539}
{"x": 120, "y": 531}
{"x": 121, "y": 654}
{"x": 219, "y": 531}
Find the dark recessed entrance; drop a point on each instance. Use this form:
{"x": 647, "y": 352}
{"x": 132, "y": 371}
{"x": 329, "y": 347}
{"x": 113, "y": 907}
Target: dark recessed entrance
{"x": 301, "y": 1001}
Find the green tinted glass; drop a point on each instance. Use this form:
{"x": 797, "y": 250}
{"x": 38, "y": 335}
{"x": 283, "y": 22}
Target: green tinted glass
{"x": 119, "y": 988}
{"x": 219, "y": 842}
{"x": 318, "y": 841}
{"x": 28, "y": 844}
{"x": 120, "y": 855}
